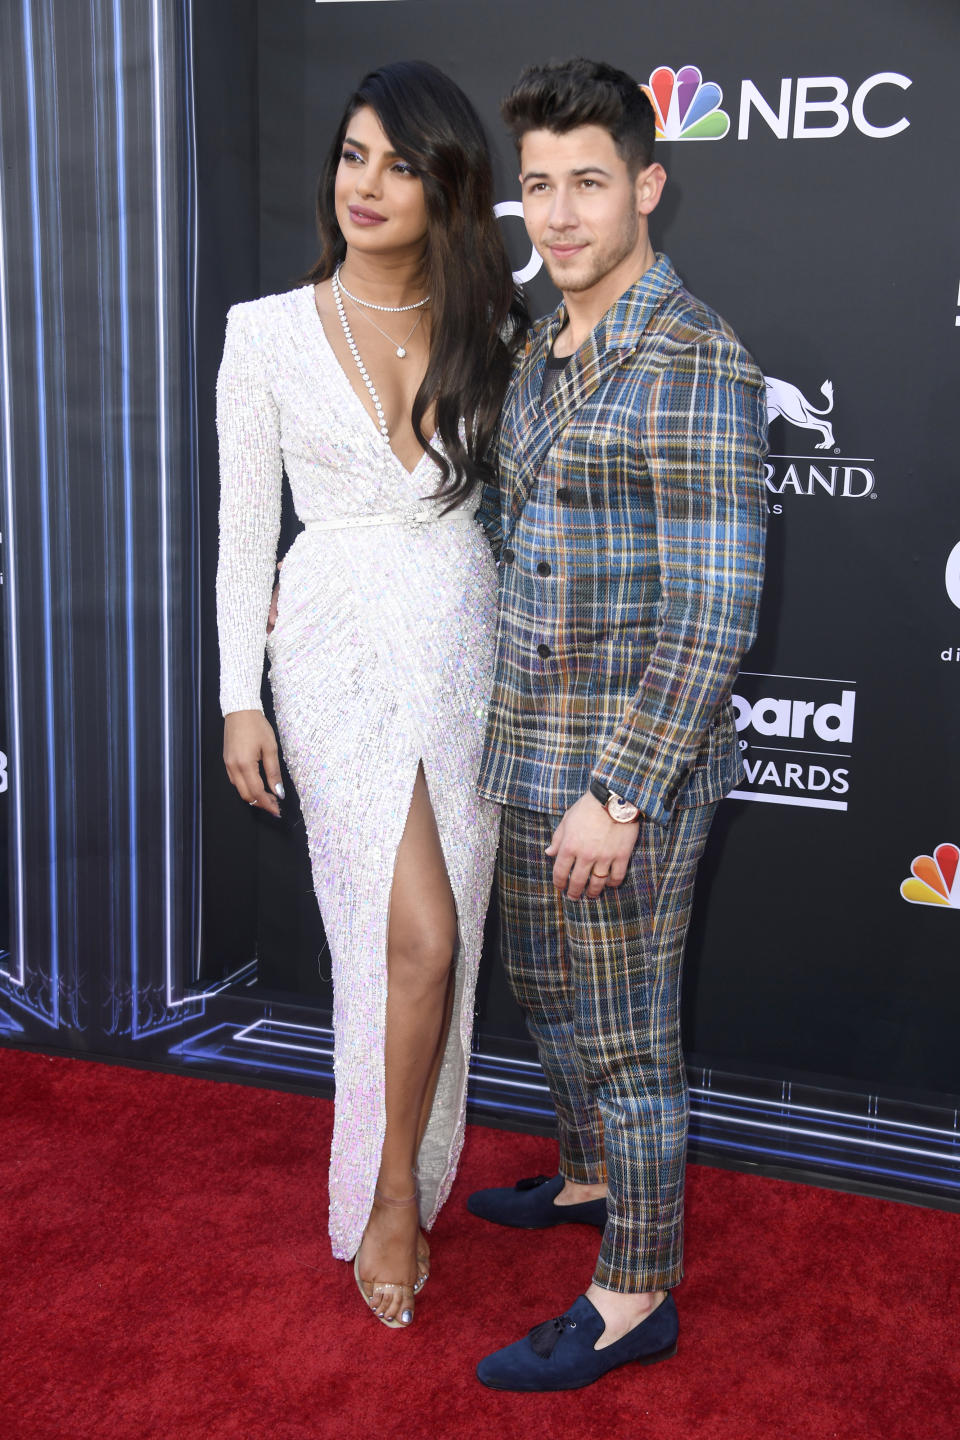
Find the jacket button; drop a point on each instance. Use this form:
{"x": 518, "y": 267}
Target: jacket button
{"x": 508, "y": 556}
{"x": 563, "y": 492}
{"x": 543, "y": 568}
{"x": 544, "y": 652}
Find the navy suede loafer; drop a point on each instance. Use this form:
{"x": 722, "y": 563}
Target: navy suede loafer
{"x": 528, "y": 1205}
{"x": 559, "y": 1354}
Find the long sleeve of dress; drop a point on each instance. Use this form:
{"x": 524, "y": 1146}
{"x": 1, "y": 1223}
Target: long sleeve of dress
{"x": 248, "y": 425}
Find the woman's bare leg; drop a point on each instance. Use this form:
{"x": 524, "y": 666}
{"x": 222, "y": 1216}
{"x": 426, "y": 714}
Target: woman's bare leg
{"x": 431, "y": 1085}
{"x": 421, "y": 941}
{"x": 423, "y": 1245}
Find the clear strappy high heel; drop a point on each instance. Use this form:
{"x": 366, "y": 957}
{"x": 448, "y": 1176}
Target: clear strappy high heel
{"x": 383, "y": 1287}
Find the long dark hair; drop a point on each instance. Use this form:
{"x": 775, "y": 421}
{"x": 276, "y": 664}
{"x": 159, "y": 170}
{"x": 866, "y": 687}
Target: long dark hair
{"x": 478, "y": 316}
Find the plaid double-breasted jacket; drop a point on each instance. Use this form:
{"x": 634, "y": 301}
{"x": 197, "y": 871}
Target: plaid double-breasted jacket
{"x": 629, "y": 519}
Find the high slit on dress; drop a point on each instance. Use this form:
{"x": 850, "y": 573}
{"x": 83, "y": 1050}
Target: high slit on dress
{"x": 380, "y": 661}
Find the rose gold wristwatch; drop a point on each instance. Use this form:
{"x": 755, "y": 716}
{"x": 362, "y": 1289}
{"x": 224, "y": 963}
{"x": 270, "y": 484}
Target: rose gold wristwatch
{"x": 620, "y": 810}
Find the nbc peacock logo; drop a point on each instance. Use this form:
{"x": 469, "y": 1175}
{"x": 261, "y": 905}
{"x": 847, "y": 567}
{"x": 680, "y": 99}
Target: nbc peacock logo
{"x": 934, "y": 879}
{"x": 685, "y": 108}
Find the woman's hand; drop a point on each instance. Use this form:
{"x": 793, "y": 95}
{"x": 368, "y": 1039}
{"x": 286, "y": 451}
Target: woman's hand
{"x": 248, "y": 743}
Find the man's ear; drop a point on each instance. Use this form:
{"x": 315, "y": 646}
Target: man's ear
{"x": 649, "y": 187}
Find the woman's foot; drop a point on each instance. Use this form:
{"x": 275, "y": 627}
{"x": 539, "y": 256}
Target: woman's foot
{"x": 388, "y": 1261}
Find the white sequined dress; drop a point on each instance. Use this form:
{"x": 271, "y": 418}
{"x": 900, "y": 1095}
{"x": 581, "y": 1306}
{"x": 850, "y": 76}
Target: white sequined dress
{"x": 381, "y": 659}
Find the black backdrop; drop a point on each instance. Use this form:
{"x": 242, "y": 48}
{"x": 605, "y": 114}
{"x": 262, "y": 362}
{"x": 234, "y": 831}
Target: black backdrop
{"x": 820, "y": 1006}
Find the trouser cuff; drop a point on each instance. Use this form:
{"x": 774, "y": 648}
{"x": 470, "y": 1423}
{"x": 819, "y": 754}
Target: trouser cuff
{"x": 635, "y": 1281}
{"x": 583, "y": 1172}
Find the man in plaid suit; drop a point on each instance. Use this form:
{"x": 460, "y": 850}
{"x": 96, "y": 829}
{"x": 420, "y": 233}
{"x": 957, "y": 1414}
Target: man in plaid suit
{"x": 629, "y": 521}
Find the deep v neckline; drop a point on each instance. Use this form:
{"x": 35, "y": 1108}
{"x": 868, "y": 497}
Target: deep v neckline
{"x": 345, "y": 378}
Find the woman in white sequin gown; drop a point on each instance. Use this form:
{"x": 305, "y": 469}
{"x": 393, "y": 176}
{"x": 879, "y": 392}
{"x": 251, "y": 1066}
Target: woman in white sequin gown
{"x": 380, "y": 658}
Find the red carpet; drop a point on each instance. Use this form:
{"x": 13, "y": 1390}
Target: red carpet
{"x": 166, "y": 1274}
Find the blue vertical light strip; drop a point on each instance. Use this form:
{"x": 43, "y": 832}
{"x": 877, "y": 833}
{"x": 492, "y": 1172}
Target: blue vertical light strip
{"x": 113, "y": 726}
{"x": 163, "y": 463}
{"x": 123, "y": 288}
{"x": 188, "y": 197}
{"x": 191, "y": 600}
{"x": 44, "y": 496}
{"x": 196, "y": 827}
{"x": 62, "y": 567}
{"x": 14, "y": 747}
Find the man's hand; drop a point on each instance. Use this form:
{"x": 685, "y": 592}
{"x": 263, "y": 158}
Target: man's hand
{"x": 591, "y": 851}
{"x": 248, "y": 742}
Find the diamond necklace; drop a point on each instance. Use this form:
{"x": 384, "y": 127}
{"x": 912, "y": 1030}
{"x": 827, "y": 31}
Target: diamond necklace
{"x": 393, "y": 309}
{"x": 352, "y": 346}
{"x": 401, "y": 348}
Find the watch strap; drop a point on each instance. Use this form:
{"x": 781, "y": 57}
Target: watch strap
{"x": 600, "y": 791}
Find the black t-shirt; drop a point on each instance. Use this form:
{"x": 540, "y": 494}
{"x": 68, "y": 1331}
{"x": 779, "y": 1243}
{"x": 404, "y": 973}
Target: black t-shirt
{"x": 553, "y": 369}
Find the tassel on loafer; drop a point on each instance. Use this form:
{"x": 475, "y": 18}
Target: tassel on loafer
{"x": 528, "y": 1205}
{"x": 559, "y": 1354}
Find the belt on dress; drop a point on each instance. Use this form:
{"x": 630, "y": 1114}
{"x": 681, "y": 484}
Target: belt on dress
{"x": 413, "y": 516}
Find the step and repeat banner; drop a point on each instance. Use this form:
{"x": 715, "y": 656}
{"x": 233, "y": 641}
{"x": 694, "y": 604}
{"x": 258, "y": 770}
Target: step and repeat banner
{"x": 811, "y": 200}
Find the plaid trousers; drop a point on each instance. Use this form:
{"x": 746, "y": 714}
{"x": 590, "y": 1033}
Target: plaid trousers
{"x": 599, "y": 982}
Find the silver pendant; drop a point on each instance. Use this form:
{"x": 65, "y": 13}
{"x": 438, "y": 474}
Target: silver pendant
{"x": 401, "y": 353}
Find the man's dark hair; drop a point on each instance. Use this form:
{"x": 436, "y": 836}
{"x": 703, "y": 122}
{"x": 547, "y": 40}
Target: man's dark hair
{"x": 564, "y": 94}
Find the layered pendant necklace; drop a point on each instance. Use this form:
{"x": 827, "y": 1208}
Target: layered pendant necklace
{"x": 401, "y": 348}
{"x": 339, "y": 290}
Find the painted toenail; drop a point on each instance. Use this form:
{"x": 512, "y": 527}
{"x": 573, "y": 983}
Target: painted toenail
{"x": 407, "y": 1316}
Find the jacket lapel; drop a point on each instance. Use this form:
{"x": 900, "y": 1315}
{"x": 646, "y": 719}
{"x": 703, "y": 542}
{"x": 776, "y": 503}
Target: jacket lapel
{"x": 535, "y": 427}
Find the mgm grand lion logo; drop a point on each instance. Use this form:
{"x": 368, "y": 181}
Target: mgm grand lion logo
{"x": 841, "y": 477}
{"x": 790, "y": 402}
